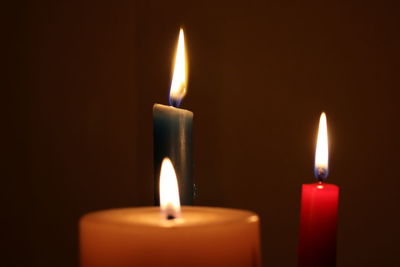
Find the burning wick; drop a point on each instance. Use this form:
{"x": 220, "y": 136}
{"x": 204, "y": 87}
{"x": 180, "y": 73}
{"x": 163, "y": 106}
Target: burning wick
{"x": 321, "y": 174}
{"x": 170, "y": 217}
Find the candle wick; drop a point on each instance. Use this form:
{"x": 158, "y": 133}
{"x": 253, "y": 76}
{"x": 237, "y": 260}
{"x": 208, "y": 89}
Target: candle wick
{"x": 321, "y": 174}
{"x": 170, "y": 217}
{"x": 174, "y": 103}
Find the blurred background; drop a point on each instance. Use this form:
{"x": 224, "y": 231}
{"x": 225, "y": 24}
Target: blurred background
{"x": 80, "y": 79}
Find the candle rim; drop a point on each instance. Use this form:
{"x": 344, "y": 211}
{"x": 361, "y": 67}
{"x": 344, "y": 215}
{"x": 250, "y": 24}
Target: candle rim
{"x": 171, "y": 108}
{"x": 101, "y": 217}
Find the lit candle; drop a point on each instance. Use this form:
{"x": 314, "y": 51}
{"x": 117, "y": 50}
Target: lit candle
{"x": 172, "y": 130}
{"x": 319, "y": 208}
{"x": 170, "y": 235}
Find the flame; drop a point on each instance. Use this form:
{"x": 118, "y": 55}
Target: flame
{"x": 321, "y": 154}
{"x": 179, "y": 78}
{"x": 169, "y": 192}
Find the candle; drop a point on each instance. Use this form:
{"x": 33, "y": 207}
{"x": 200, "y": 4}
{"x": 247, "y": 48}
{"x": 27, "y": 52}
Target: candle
{"x": 319, "y": 208}
{"x": 168, "y": 235}
{"x": 172, "y": 130}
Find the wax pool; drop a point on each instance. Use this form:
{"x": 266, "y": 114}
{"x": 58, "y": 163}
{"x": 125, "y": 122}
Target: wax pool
{"x": 203, "y": 236}
{"x": 172, "y": 134}
{"x": 318, "y": 221}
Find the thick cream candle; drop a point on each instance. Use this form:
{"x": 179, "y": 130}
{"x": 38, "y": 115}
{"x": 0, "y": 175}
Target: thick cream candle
{"x": 170, "y": 236}
{"x": 203, "y": 236}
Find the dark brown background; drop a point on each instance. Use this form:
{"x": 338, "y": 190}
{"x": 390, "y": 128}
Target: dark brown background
{"x": 80, "y": 80}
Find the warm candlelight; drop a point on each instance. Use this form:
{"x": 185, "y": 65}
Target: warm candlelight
{"x": 172, "y": 129}
{"x": 319, "y": 206}
{"x": 169, "y": 192}
{"x": 179, "y": 78}
{"x": 321, "y": 153}
{"x": 167, "y": 236}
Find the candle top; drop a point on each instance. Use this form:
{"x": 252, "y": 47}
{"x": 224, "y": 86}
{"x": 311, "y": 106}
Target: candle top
{"x": 320, "y": 186}
{"x": 152, "y": 217}
{"x": 160, "y": 109}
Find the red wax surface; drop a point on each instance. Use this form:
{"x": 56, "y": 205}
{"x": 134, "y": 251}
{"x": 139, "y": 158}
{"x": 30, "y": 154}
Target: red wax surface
{"x": 318, "y": 221}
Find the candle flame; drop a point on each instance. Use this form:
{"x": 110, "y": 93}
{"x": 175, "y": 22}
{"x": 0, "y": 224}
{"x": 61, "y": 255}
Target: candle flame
{"x": 169, "y": 191}
{"x": 179, "y": 78}
{"x": 321, "y": 154}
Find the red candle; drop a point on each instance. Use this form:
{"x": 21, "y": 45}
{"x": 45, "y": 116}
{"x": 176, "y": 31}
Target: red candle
{"x": 319, "y": 208}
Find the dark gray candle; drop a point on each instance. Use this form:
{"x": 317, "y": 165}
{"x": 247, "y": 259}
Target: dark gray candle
{"x": 172, "y": 131}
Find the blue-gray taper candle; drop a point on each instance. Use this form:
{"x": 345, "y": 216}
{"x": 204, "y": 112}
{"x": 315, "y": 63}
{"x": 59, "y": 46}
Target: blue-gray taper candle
{"x": 172, "y": 135}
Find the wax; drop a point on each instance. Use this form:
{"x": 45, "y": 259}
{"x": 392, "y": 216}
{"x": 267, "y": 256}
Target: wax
{"x": 318, "y": 221}
{"x": 202, "y": 236}
{"x": 172, "y": 133}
